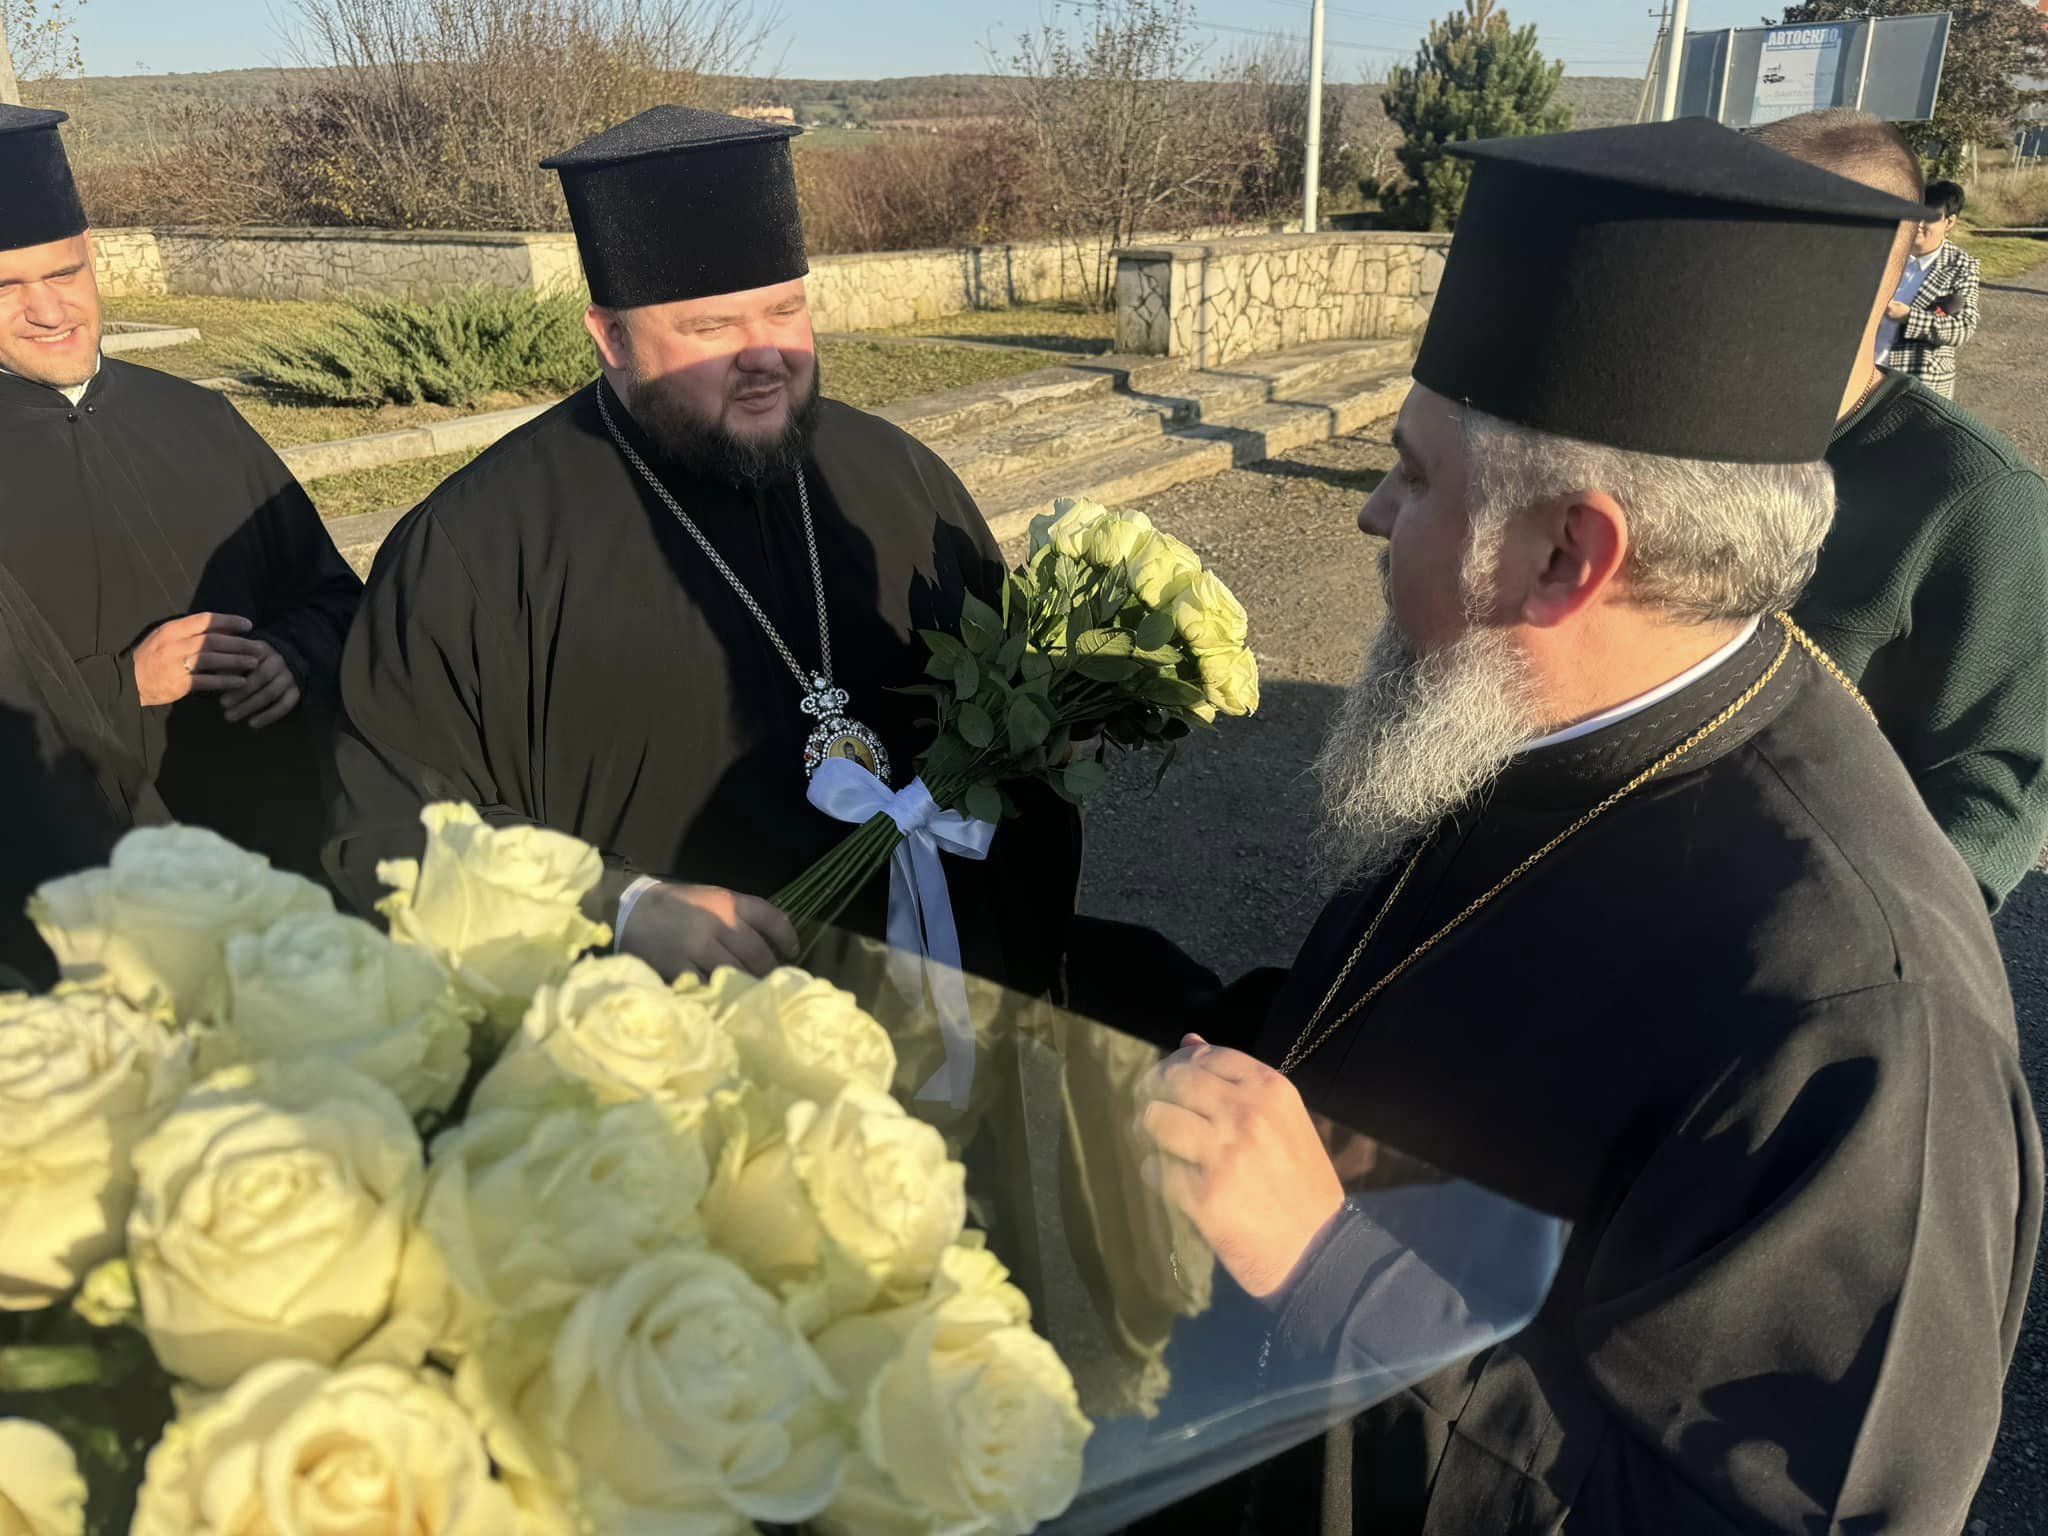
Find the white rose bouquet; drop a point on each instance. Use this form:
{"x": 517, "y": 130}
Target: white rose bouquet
{"x": 306, "y": 1227}
{"x": 1111, "y": 629}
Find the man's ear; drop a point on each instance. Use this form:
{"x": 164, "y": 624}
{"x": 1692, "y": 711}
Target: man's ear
{"x": 1578, "y": 544}
{"x": 608, "y": 330}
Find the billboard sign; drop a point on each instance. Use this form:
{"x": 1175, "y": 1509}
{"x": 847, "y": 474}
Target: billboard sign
{"x": 1748, "y": 76}
{"x": 1798, "y": 70}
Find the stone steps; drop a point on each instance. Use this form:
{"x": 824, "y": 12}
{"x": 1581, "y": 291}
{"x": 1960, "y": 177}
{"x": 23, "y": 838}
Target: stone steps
{"x": 1323, "y": 397}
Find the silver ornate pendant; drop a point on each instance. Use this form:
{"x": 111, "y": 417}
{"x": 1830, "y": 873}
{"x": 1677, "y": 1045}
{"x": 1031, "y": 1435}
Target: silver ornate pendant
{"x": 838, "y": 734}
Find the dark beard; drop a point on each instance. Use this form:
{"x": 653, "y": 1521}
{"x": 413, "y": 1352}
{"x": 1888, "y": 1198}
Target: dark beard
{"x": 707, "y": 448}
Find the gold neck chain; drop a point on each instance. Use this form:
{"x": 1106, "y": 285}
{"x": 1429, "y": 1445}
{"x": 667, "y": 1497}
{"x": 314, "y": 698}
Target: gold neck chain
{"x": 1309, "y": 1040}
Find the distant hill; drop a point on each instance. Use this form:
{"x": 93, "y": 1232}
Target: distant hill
{"x": 115, "y": 116}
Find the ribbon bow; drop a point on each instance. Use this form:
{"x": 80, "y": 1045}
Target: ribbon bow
{"x": 924, "y": 943}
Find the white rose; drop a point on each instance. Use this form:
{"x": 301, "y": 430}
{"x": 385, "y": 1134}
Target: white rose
{"x": 1209, "y": 617}
{"x": 857, "y": 1203}
{"x": 679, "y": 1399}
{"x": 1067, "y": 529}
{"x": 1231, "y": 682}
{"x": 799, "y": 1036}
{"x": 156, "y": 921}
{"x": 1162, "y": 569}
{"x": 272, "y": 1209}
{"x": 1117, "y": 539}
{"x": 969, "y": 1421}
{"x": 320, "y": 986}
{"x": 41, "y": 1493}
{"x": 294, "y": 1447}
{"x": 616, "y": 1025}
{"x": 83, "y": 1077}
{"x": 500, "y": 907}
{"x": 528, "y": 1208}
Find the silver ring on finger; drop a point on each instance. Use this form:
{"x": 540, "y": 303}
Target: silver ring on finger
{"x": 188, "y": 663}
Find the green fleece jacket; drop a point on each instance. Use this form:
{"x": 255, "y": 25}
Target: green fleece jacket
{"x": 1932, "y": 594}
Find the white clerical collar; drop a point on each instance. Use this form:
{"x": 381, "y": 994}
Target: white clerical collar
{"x": 76, "y": 392}
{"x": 1641, "y": 702}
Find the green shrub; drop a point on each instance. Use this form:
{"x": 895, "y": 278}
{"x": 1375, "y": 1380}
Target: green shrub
{"x": 451, "y": 351}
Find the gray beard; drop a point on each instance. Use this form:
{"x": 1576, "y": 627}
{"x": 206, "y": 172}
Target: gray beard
{"x": 708, "y": 448}
{"x": 1414, "y": 739}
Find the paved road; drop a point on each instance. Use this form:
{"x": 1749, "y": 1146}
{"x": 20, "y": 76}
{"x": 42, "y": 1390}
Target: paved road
{"x": 1215, "y": 858}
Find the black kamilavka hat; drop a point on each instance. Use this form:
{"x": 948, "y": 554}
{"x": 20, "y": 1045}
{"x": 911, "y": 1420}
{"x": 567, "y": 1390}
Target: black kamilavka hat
{"x": 1669, "y": 288}
{"x": 681, "y": 204}
{"x": 38, "y": 200}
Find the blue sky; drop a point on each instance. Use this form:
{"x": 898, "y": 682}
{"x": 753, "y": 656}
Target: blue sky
{"x": 870, "y": 38}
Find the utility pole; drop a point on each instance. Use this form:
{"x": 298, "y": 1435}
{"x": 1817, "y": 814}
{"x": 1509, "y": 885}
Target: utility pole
{"x": 10, "y": 88}
{"x": 1312, "y": 176}
{"x": 1656, "y": 60}
{"x": 1674, "y": 49}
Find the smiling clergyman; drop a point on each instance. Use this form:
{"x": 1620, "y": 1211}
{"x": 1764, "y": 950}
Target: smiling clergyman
{"x": 171, "y": 610}
{"x": 643, "y": 617}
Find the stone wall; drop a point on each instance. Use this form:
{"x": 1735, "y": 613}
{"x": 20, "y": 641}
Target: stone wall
{"x": 320, "y": 263}
{"x": 1216, "y": 301}
{"x": 848, "y": 293}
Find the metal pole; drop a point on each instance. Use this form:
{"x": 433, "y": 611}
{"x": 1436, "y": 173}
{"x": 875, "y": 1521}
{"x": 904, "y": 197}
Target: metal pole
{"x": 1667, "y": 106}
{"x": 10, "y": 88}
{"x": 1312, "y": 176}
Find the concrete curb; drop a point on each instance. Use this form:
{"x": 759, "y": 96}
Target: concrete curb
{"x": 121, "y": 336}
{"x": 313, "y": 461}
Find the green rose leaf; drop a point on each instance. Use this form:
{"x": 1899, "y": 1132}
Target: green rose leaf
{"x": 946, "y": 652}
{"x": 1105, "y": 642}
{"x": 1108, "y": 669}
{"x": 1035, "y": 665}
{"x": 1156, "y": 630}
{"x": 966, "y": 677}
{"x": 1084, "y": 778}
{"x": 1030, "y": 723}
{"x": 976, "y": 729}
{"x": 984, "y": 803}
{"x": 1175, "y": 692}
{"x": 981, "y": 627}
{"x": 48, "y": 1367}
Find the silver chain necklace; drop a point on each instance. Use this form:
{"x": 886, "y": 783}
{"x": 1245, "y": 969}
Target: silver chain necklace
{"x": 837, "y": 734}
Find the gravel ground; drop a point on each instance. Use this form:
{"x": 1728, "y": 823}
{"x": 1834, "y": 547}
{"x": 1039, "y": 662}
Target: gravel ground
{"x": 1283, "y": 535}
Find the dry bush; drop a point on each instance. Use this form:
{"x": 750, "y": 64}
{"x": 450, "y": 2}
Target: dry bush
{"x": 2015, "y": 198}
{"x": 436, "y": 114}
{"x": 970, "y": 188}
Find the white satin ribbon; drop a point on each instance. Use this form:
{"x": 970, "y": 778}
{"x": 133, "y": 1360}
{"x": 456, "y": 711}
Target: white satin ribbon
{"x": 924, "y": 943}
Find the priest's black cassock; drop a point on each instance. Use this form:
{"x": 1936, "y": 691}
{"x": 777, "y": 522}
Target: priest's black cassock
{"x": 1749, "y": 1034}
{"x": 543, "y": 639}
{"x": 1747, "y": 1028}
{"x": 148, "y": 499}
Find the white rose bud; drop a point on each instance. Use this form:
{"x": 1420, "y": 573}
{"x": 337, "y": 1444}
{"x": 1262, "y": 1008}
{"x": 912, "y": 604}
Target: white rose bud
{"x": 272, "y": 1210}
{"x": 616, "y": 1025}
{"x": 800, "y": 1037}
{"x": 1067, "y": 529}
{"x": 857, "y": 1204}
{"x": 969, "y": 1421}
{"x": 41, "y": 1492}
{"x": 1162, "y": 569}
{"x": 528, "y": 1208}
{"x": 1231, "y": 682}
{"x": 374, "y": 1450}
{"x": 500, "y": 907}
{"x": 1210, "y": 619}
{"x": 679, "y": 1398}
{"x": 156, "y": 921}
{"x": 323, "y": 987}
{"x": 1118, "y": 539}
{"x": 83, "y": 1078}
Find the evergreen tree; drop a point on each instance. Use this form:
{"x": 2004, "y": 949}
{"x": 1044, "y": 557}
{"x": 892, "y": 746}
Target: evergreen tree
{"x": 1475, "y": 77}
{"x": 1992, "y": 46}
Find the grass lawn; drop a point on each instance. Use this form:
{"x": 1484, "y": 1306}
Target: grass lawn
{"x": 2007, "y": 257}
{"x": 380, "y": 490}
{"x": 872, "y": 373}
{"x": 1053, "y": 327}
{"x": 227, "y": 328}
